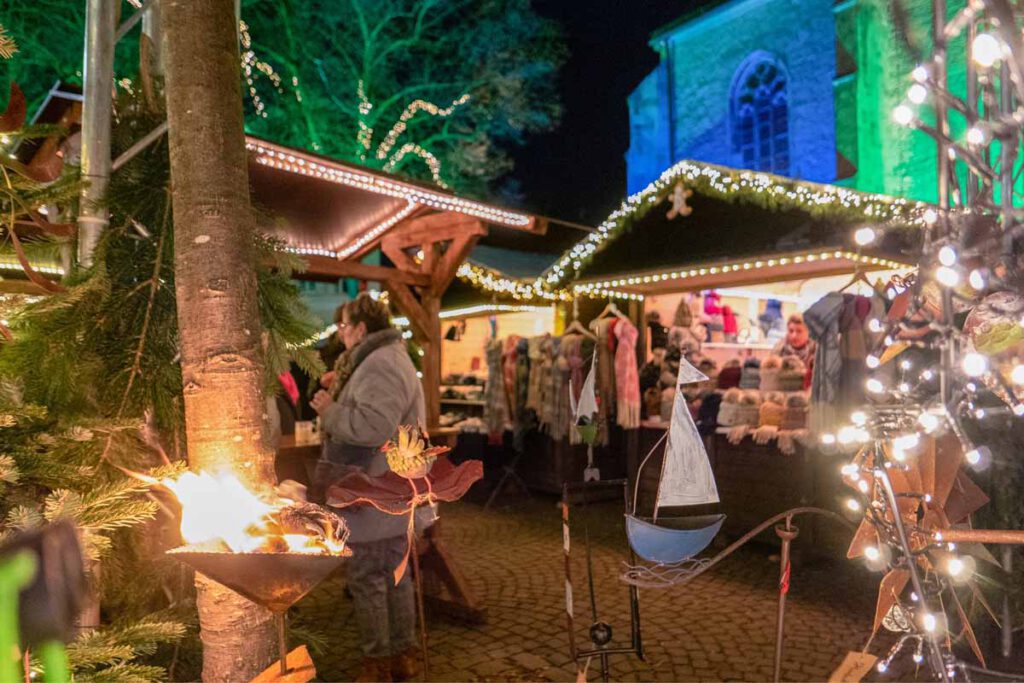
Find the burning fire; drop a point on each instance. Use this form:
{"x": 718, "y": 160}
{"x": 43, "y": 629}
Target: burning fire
{"x": 217, "y": 509}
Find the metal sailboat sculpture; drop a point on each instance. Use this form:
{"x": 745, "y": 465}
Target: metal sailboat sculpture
{"x": 686, "y": 479}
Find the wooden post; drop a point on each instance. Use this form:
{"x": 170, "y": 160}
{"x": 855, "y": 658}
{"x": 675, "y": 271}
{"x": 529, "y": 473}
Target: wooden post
{"x": 432, "y": 360}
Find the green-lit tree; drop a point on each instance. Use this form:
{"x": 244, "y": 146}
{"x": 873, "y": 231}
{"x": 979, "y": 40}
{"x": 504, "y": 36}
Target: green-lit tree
{"x": 435, "y": 89}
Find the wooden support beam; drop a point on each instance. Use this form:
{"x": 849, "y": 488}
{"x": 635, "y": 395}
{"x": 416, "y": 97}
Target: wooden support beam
{"x": 401, "y": 259}
{"x": 432, "y": 359}
{"x": 443, "y": 274}
{"x": 325, "y": 265}
{"x": 407, "y": 304}
{"x": 437, "y": 227}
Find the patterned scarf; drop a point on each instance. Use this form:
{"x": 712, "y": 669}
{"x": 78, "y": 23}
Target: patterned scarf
{"x": 350, "y": 359}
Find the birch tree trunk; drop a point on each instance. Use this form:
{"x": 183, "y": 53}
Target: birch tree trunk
{"x": 218, "y": 317}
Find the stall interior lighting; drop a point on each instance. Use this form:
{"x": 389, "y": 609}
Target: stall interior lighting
{"x": 757, "y": 264}
{"x": 11, "y": 264}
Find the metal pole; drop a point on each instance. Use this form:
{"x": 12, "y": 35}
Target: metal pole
{"x": 282, "y": 641}
{"x": 787, "y": 534}
{"x": 937, "y": 663}
{"x": 1007, "y": 614}
{"x": 151, "y": 29}
{"x": 98, "y": 83}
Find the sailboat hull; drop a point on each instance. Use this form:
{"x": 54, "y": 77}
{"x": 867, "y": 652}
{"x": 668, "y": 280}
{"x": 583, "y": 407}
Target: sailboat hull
{"x": 672, "y": 539}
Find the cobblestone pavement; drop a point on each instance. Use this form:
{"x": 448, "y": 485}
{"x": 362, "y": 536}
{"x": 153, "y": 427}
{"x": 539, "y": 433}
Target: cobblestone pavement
{"x": 719, "y": 627}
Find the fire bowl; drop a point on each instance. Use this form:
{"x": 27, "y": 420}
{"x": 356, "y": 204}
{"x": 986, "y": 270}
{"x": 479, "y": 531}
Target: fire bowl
{"x": 274, "y": 580}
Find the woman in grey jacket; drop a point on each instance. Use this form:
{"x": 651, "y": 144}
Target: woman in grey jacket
{"x": 373, "y": 390}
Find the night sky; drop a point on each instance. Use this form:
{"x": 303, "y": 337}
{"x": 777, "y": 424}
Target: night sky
{"x": 578, "y": 171}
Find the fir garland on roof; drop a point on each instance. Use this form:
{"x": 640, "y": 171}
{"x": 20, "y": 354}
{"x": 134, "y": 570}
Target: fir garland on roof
{"x": 770, "y": 192}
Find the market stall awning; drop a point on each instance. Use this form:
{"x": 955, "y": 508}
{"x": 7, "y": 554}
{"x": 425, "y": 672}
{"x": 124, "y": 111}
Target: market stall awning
{"x": 701, "y": 226}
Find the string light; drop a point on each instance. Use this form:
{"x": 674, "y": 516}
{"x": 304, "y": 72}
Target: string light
{"x": 947, "y": 276}
{"x": 293, "y": 161}
{"x": 730, "y": 184}
{"x": 986, "y": 50}
{"x": 974, "y": 364}
{"x": 864, "y": 236}
{"x": 947, "y": 256}
{"x": 903, "y": 115}
{"x": 917, "y": 93}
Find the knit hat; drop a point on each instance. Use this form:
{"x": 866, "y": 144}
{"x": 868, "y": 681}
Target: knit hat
{"x": 770, "y": 368}
{"x": 728, "y": 410}
{"x": 791, "y": 374}
{"x": 795, "y": 414}
{"x": 772, "y": 410}
{"x": 750, "y": 378}
{"x": 749, "y": 410}
{"x": 707, "y": 416}
{"x": 729, "y": 375}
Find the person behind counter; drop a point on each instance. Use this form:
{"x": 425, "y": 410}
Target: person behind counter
{"x": 373, "y": 391}
{"x": 797, "y": 342}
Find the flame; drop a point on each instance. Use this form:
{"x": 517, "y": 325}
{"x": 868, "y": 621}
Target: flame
{"x": 218, "y": 506}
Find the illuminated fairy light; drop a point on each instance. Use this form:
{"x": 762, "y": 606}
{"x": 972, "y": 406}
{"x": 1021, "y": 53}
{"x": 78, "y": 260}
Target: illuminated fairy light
{"x": 726, "y": 268}
{"x": 432, "y": 162}
{"x": 379, "y": 229}
{"x": 491, "y": 281}
{"x": 253, "y": 65}
{"x": 295, "y": 162}
{"x": 403, "y": 121}
{"x": 724, "y": 183}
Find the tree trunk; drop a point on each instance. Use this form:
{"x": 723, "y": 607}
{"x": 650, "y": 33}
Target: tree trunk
{"x": 218, "y": 316}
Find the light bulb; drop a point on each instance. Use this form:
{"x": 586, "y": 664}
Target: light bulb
{"x": 974, "y": 364}
{"x": 905, "y": 365}
{"x": 1018, "y": 409}
{"x": 929, "y": 623}
{"x": 927, "y": 375}
{"x": 947, "y": 276}
{"x": 907, "y": 442}
{"x": 872, "y": 553}
{"x": 848, "y": 470}
{"x": 947, "y": 256}
{"x": 928, "y": 421}
{"x": 828, "y": 439}
{"x": 858, "y": 417}
{"x": 875, "y": 325}
{"x": 1018, "y": 374}
{"x": 955, "y": 566}
{"x": 976, "y": 136}
{"x": 986, "y": 49}
{"x": 903, "y": 115}
{"x": 904, "y": 387}
{"x": 920, "y": 73}
{"x": 977, "y": 279}
{"x": 917, "y": 93}
{"x": 865, "y": 236}
{"x": 882, "y": 667}
{"x": 863, "y": 486}
{"x": 846, "y": 435}
{"x": 875, "y": 386}
{"x": 978, "y": 457}
{"x": 930, "y": 216}
{"x": 872, "y": 361}
{"x": 852, "y": 505}
{"x": 917, "y": 657}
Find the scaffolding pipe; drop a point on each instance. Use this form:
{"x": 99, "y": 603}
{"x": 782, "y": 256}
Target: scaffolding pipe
{"x": 151, "y": 29}
{"x": 98, "y": 83}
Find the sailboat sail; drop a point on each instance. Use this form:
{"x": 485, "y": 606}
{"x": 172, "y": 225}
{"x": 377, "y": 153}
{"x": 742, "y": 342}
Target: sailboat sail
{"x": 586, "y": 406}
{"x": 686, "y": 477}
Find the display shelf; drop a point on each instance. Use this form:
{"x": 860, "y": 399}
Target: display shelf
{"x": 463, "y": 402}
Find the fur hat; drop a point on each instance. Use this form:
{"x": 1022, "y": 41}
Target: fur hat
{"x": 728, "y": 410}
{"x": 750, "y": 378}
{"x": 771, "y": 410}
{"x": 749, "y": 409}
{"x": 791, "y": 374}
{"x": 770, "y": 368}
{"x": 795, "y": 414}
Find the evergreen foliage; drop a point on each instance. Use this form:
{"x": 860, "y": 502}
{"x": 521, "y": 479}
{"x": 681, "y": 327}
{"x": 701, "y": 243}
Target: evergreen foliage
{"x": 91, "y": 387}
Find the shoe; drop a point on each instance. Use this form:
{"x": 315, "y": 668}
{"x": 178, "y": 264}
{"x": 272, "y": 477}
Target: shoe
{"x": 405, "y": 666}
{"x": 374, "y": 670}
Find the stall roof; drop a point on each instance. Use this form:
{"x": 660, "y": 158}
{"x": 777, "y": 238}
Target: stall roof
{"x": 736, "y": 226}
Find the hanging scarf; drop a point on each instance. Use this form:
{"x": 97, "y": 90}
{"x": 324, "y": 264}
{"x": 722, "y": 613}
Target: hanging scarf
{"x": 535, "y": 387}
{"x": 571, "y": 354}
{"x": 627, "y": 378}
{"x": 496, "y": 412}
{"x": 605, "y": 376}
{"x": 508, "y": 360}
{"x": 350, "y": 359}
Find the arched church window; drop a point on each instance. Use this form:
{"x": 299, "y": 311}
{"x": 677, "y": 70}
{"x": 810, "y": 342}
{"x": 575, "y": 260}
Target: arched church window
{"x": 760, "y": 116}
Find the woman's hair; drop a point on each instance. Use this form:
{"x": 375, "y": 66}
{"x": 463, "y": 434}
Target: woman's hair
{"x": 369, "y": 311}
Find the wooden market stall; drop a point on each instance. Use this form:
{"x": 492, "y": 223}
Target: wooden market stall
{"x": 756, "y": 241}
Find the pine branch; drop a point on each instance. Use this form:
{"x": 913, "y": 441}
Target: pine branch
{"x": 8, "y": 48}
